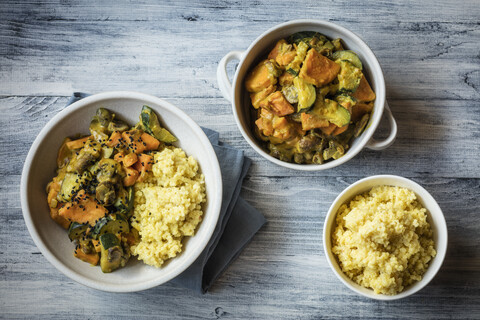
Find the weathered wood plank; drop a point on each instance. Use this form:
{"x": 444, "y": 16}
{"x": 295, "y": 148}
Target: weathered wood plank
{"x": 46, "y": 46}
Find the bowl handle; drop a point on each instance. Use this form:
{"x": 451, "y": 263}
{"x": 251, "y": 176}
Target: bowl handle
{"x": 380, "y": 145}
{"x": 224, "y": 83}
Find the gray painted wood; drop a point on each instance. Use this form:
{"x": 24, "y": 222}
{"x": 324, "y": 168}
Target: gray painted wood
{"x": 430, "y": 54}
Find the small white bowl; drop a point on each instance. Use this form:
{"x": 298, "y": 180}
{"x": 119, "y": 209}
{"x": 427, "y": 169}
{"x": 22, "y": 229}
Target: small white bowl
{"x": 236, "y": 93}
{"x": 435, "y": 218}
{"x": 39, "y": 169}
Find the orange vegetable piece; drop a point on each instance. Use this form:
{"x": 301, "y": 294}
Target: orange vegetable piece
{"x": 53, "y": 189}
{"x": 317, "y": 69}
{"x": 130, "y": 177}
{"x": 91, "y": 258}
{"x": 143, "y": 165}
{"x": 283, "y": 53}
{"x": 133, "y": 141}
{"x": 115, "y": 140}
{"x": 77, "y": 144}
{"x": 328, "y": 130}
{"x": 278, "y": 104}
{"x": 151, "y": 142}
{"x": 96, "y": 245}
{"x": 130, "y": 159}
{"x": 82, "y": 209}
{"x": 119, "y": 157}
{"x": 360, "y": 109}
{"x": 311, "y": 121}
{"x": 259, "y": 78}
{"x": 340, "y": 130}
{"x": 364, "y": 92}
{"x": 257, "y": 97}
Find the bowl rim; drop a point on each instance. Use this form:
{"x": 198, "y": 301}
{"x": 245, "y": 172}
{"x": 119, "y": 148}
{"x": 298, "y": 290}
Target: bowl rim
{"x": 381, "y": 96}
{"x": 26, "y": 172}
{"x": 430, "y": 204}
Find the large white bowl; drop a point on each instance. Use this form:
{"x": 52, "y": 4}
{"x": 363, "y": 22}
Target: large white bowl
{"x": 39, "y": 169}
{"x": 435, "y": 218}
{"x": 235, "y": 91}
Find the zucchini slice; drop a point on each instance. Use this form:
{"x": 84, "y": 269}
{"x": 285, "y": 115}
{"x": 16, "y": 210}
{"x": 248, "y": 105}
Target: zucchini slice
{"x": 151, "y": 125}
{"x": 306, "y": 94}
{"x": 348, "y": 56}
{"x": 77, "y": 230}
{"x": 124, "y": 202}
{"x": 114, "y": 224}
{"x": 71, "y": 184}
{"x": 294, "y": 66}
{"x": 112, "y": 256}
{"x": 333, "y": 112}
{"x": 349, "y": 77}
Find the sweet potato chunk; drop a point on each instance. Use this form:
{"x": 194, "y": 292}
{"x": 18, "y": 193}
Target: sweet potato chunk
{"x": 329, "y": 130}
{"x": 257, "y": 97}
{"x": 259, "y": 78}
{"x": 311, "y": 121}
{"x": 277, "y": 103}
{"x": 115, "y": 140}
{"x": 340, "y": 130}
{"x": 53, "y": 188}
{"x": 364, "y": 92}
{"x": 317, "y": 69}
{"x": 360, "y": 109}
{"x": 283, "y": 53}
{"x": 286, "y": 79}
{"x": 143, "y": 165}
{"x": 277, "y": 127}
{"x": 150, "y": 142}
{"x": 130, "y": 177}
{"x": 91, "y": 258}
{"x": 132, "y": 139}
{"x": 83, "y": 209}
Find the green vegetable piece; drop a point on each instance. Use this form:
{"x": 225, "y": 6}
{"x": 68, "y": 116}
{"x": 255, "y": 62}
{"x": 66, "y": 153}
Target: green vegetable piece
{"x": 124, "y": 201}
{"x": 77, "y": 230}
{"x": 348, "y": 55}
{"x": 151, "y": 125}
{"x": 118, "y": 125}
{"x": 360, "y": 125}
{"x": 306, "y": 94}
{"x": 291, "y": 71}
{"x": 71, "y": 184}
{"x": 302, "y": 49}
{"x": 112, "y": 256}
{"x": 349, "y": 77}
{"x": 114, "y": 223}
{"x": 335, "y": 150}
{"x": 99, "y": 125}
{"x": 333, "y": 112}
{"x": 337, "y": 44}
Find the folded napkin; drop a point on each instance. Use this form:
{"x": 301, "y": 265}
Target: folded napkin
{"x": 237, "y": 224}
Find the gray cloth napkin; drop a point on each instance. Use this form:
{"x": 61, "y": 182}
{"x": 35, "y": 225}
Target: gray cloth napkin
{"x": 237, "y": 224}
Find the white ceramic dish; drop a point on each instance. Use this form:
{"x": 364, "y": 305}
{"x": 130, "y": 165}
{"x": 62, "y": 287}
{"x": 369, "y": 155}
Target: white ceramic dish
{"x": 236, "y": 93}
{"x": 435, "y": 218}
{"x": 39, "y": 168}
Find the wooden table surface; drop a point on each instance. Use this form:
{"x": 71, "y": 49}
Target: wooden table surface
{"x": 430, "y": 55}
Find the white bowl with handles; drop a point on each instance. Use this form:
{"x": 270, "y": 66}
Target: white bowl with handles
{"x": 39, "y": 169}
{"x": 235, "y": 92}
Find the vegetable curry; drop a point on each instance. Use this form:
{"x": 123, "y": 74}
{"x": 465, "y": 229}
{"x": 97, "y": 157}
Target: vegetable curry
{"x": 91, "y": 195}
{"x": 310, "y": 99}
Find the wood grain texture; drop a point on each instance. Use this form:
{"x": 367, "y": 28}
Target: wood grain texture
{"x": 430, "y": 55}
